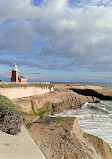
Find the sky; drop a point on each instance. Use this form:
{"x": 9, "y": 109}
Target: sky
{"x": 56, "y": 40}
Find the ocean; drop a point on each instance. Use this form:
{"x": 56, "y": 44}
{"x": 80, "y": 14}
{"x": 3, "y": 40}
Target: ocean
{"x": 94, "y": 118}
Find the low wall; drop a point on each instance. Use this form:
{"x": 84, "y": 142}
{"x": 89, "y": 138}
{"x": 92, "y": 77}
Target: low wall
{"x": 24, "y": 83}
{"x": 20, "y": 92}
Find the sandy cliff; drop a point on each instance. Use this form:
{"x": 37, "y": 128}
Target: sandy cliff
{"x": 61, "y": 138}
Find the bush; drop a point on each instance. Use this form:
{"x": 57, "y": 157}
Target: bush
{"x": 44, "y": 109}
{"x": 11, "y": 124}
{"x": 7, "y": 107}
{"x": 11, "y": 119}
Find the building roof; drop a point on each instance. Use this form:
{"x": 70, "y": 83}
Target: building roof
{"x": 21, "y": 77}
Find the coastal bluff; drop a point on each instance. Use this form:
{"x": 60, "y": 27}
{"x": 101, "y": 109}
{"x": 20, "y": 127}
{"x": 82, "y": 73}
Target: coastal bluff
{"x": 62, "y": 138}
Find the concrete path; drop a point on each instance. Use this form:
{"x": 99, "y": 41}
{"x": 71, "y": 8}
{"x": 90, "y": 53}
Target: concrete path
{"x": 20, "y": 146}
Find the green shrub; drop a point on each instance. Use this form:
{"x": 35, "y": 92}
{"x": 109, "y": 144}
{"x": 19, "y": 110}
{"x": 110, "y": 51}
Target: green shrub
{"x": 44, "y": 109}
{"x": 7, "y": 107}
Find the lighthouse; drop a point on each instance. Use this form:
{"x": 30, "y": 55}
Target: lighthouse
{"x": 14, "y": 77}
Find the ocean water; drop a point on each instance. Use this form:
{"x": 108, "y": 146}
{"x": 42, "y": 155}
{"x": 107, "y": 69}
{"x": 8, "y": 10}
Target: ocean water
{"x": 94, "y": 118}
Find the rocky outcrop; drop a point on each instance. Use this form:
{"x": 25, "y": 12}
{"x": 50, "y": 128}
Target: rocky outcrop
{"x": 62, "y": 138}
{"x": 66, "y": 100}
{"x": 101, "y": 92}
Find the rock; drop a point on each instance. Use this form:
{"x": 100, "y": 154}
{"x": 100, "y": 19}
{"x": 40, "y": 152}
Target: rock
{"x": 101, "y": 92}
{"x": 62, "y": 138}
{"x": 100, "y": 146}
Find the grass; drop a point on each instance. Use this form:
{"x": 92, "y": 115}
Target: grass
{"x": 7, "y": 107}
{"x": 26, "y": 85}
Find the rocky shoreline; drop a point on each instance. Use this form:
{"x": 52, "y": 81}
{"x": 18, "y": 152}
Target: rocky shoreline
{"x": 61, "y": 138}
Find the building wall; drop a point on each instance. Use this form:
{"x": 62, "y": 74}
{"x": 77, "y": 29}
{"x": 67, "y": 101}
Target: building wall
{"x": 20, "y": 92}
{"x": 23, "y": 80}
{"x": 14, "y": 77}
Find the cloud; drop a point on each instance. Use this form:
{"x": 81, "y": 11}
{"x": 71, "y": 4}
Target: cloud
{"x": 58, "y": 35}
{"x": 17, "y": 36}
{"x": 5, "y": 76}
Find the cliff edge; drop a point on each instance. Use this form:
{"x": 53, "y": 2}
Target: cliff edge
{"x": 62, "y": 138}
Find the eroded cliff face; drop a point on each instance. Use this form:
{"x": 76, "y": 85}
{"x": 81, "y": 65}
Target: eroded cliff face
{"x": 66, "y": 100}
{"x": 62, "y": 138}
{"x": 100, "y": 146}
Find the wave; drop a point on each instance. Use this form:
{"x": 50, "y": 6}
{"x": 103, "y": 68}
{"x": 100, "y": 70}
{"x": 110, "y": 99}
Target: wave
{"x": 85, "y": 105}
{"x": 89, "y": 116}
{"x": 103, "y": 109}
{"x": 81, "y": 116}
{"x": 110, "y": 115}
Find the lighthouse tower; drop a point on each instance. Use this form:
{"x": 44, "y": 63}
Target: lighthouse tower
{"x": 14, "y": 77}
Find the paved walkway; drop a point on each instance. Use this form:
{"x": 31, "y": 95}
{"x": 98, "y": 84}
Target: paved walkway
{"x": 20, "y": 146}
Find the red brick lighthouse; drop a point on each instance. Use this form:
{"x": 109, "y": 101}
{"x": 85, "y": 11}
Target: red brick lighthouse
{"x": 14, "y": 77}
